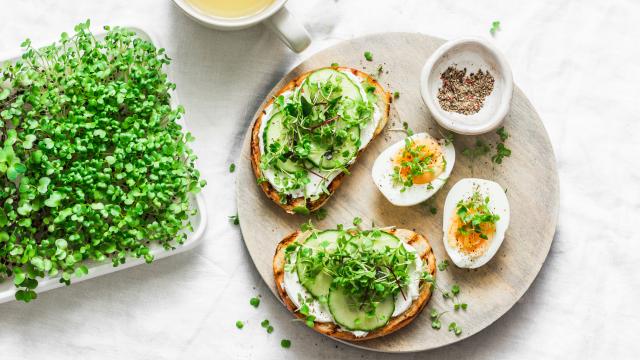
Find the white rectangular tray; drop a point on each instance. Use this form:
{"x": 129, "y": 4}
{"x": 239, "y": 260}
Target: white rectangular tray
{"x": 199, "y": 221}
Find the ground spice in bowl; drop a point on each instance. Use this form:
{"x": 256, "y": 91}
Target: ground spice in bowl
{"x": 464, "y": 94}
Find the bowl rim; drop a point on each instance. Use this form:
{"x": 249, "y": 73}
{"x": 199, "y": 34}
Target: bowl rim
{"x": 503, "y": 68}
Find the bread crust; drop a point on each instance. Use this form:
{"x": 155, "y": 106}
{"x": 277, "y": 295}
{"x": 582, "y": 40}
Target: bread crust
{"x": 384, "y": 104}
{"x": 412, "y": 238}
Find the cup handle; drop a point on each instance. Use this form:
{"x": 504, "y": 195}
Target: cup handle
{"x": 289, "y": 30}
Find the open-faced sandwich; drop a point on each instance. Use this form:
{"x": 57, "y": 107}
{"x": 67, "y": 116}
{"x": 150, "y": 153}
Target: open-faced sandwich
{"x": 311, "y": 131}
{"x": 353, "y": 284}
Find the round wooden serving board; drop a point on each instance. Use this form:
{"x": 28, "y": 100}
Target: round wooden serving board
{"x": 529, "y": 177}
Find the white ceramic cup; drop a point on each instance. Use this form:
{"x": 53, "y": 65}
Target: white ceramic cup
{"x": 276, "y": 17}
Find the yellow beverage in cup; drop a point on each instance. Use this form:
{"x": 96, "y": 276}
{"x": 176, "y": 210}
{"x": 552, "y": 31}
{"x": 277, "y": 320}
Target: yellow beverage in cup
{"x": 230, "y": 9}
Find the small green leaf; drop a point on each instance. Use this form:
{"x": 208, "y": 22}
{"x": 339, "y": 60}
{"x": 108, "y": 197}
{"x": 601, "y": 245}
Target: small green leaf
{"x": 301, "y": 209}
{"x": 495, "y": 26}
{"x": 81, "y": 271}
{"x": 54, "y": 199}
{"x": 18, "y": 276}
{"x": 255, "y": 302}
{"x": 61, "y": 244}
{"x": 455, "y": 289}
{"x": 28, "y": 141}
{"x": 4, "y": 94}
{"x": 38, "y": 262}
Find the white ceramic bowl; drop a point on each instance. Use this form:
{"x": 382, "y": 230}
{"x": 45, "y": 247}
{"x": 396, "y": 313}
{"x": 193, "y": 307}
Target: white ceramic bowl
{"x": 472, "y": 54}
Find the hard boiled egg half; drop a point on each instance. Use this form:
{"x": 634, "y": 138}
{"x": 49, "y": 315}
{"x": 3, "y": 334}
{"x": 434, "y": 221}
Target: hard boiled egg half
{"x": 412, "y": 170}
{"x": 476, "y": 217}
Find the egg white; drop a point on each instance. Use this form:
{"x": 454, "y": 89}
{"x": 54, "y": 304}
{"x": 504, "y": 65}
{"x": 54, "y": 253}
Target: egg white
{"x": 498, "y": 204}
{"x": 382, "y": 173}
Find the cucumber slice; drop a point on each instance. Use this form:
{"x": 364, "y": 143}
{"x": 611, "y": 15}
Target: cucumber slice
{"x": 327, "y": 157}
{"x": 385, "y": 239}
{"x": 346, "y": 312}
{"x": 349, "y": 88}
{"x": 289, "y": 166}
{"x": 319, "y": 285}
{"x": 275, "y": 131}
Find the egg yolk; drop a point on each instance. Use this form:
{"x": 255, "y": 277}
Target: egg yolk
{"x": 429, "y": 153}
{"x": 470, "y": 241}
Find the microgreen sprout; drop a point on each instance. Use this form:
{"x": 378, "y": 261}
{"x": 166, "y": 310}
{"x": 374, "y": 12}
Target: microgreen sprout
{"x": 443, "y": 265}
{"x": 476, "y": 216}
{"x": 455, "y": 328}
{"x": 435, "y": 318}
{"x": 321, "y": 214}
{"x": 285, "y": 343}
{"x": 452, "y": 294}
{"x": 368, "y": 55}
{"x": 495, "y": 26}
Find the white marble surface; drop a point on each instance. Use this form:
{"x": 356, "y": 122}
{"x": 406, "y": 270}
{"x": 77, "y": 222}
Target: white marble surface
{"x": 576, "y": 60}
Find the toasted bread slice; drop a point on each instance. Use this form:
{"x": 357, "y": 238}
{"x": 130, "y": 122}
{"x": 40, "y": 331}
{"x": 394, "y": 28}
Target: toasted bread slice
{"x": 384, "y": 104}
{"x": 331, "y": 329}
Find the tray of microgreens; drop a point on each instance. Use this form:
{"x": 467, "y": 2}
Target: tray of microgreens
{"x": 96, "y": 171}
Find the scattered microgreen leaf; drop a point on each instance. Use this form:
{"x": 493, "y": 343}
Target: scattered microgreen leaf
{"x": 501, "y": 152}
{"x": 495, "y": 26}
{"x": 307, "y": 226}
{"x": 455, "y": 328}
{"x": 234, "y": 219}
{"x": 479, "y": 149}
{"x": 285, "y": 343}
{"x": 443, "y": 265}
{"x": 455, "y": 289}
{"x": 232, "y": 167}
{"x": 239, "y": 324}
{"x": 368, "y": 55}
{"x": 255, "y": 302}
{"x": 321, "y": 214}
{"x": 504, "y": 135}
